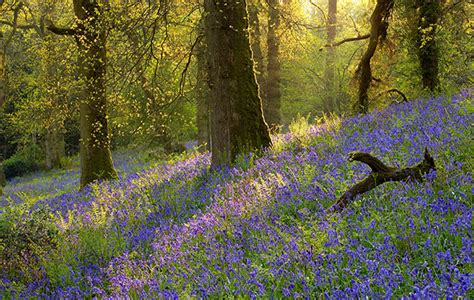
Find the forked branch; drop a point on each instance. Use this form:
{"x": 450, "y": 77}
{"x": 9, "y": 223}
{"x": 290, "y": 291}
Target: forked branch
{"x": 380, "y": 174}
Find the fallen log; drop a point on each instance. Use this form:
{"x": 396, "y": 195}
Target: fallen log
{"x": 380, "y": 174}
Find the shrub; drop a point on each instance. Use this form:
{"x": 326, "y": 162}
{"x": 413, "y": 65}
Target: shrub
{"x": 23, "y": 162}
{"x": 16, "y": 167}
{"x": 24, "y": 237}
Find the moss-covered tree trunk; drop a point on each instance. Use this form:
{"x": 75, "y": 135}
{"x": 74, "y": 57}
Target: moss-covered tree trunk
{"x": 255, "y": 42}
{"x": 272, "y": 100}
{"x": 2, "y": 99}
{"x": 54, "y": 146}
{"x": 378, "y": 28}
{"x": 428, "y": 12}
{"x": 202, "y": 94}
{"x": 330, "y": 99}
{"x": 2, "y": 71}
{"x": 96, "y": 158}
{"x": 237, "y": 123}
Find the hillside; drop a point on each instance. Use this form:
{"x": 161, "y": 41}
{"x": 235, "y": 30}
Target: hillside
{"x": 259, "y": 229}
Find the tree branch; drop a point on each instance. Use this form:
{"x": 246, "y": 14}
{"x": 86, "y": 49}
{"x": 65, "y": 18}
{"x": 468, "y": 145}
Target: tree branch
{"x": 16, "y": 12}
{"x": 380, "y": 174}
{"x": 60, "y": 30}
{"x": 347, "y": 40}
{"x": 373, "y": 162}
{"x": 28, "y": 26}
{"x": 405, "y": 99}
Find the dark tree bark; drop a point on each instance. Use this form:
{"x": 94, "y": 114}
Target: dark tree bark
{"x": 428, "y": 12}
{"x": 237, "y": 123}
{"x": 272, "y": 100}
{"x": 2, "y": 70}
{"x": 378, "y": 30}
{"x": 3, "y": 179}
{"x": 394, "y": 91}
{"x": 2, "y": 99}
{"x": 330, "y": 99}
{"x": 96, "y": 158}
{"x": 202, "y": 95}
{"x": 381, "y": 174}
{"x": 255, "y": 41}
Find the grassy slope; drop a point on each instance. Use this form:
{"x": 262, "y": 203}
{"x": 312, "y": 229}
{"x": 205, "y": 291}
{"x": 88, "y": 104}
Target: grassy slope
{"x": 259, "y": 229}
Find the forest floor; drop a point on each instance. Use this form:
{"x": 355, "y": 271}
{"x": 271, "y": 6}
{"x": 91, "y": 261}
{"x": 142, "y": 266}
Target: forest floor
{"x": 260, "y": 228}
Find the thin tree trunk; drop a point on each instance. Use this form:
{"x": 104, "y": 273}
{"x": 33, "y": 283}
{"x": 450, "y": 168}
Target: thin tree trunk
{"x": 428, "y": 15}
{"x": 378, "y": 23}
{"x": 2, "y": 70}
{"x": 2, "y": 98}
{"x": 272, "y": 100}
{"x": 330, "y": 101}
{"x": 96, "y": 158}
{"x": 237, "y": 123}
{"x": 54, "y": 148}
{"x": 4, "y": 42}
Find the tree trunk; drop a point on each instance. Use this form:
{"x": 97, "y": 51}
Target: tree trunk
{"x": 237, "y": 123}
{"x": 54, "y": 148}
{"x": 202, "y": 96}
{"x": 2, "y": 98}
{"x": 330, "y": 101}
{"x": 428, "y": 14}
{"x": 2, "y": 70}
{"x": 379, "y": 24}
{"x": 3, "y": 179}
{"x": 272, "y": 100}
{"x": 255, "y": 42}
{"x": 96, "y": 158}
{"x": 4, "y": 42}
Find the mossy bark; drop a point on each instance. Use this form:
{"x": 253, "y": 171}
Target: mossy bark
{"x": 257, "y": 54}
{"x": 202, "y": 94}
{"x": 2, "y": 99}
{"x": 428, "y": 16}
{"x": 54, "y": 146}
{"x": 272, "y": 100}
{"x": 2, "y": 70}
{"x": 3, "y": 180}
{"x": 96, "y": 158}
{"x": 237, "y": 123}
{"x": 378, "y": 28}
{"x": 330, "y": 99}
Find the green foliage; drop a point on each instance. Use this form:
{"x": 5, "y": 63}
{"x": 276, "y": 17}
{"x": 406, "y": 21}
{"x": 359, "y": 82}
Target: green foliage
{"x": 24, "y": 237}
{"x": 25, "y": 161}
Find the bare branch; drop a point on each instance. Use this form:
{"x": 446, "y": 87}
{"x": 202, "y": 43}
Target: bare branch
{"x": 16, "y": 12}
{"x": 396, "y": 91}
{"x": 347, "y": 40}
{"x": 26, "y": 27}
{"x": 61, "y": 31}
